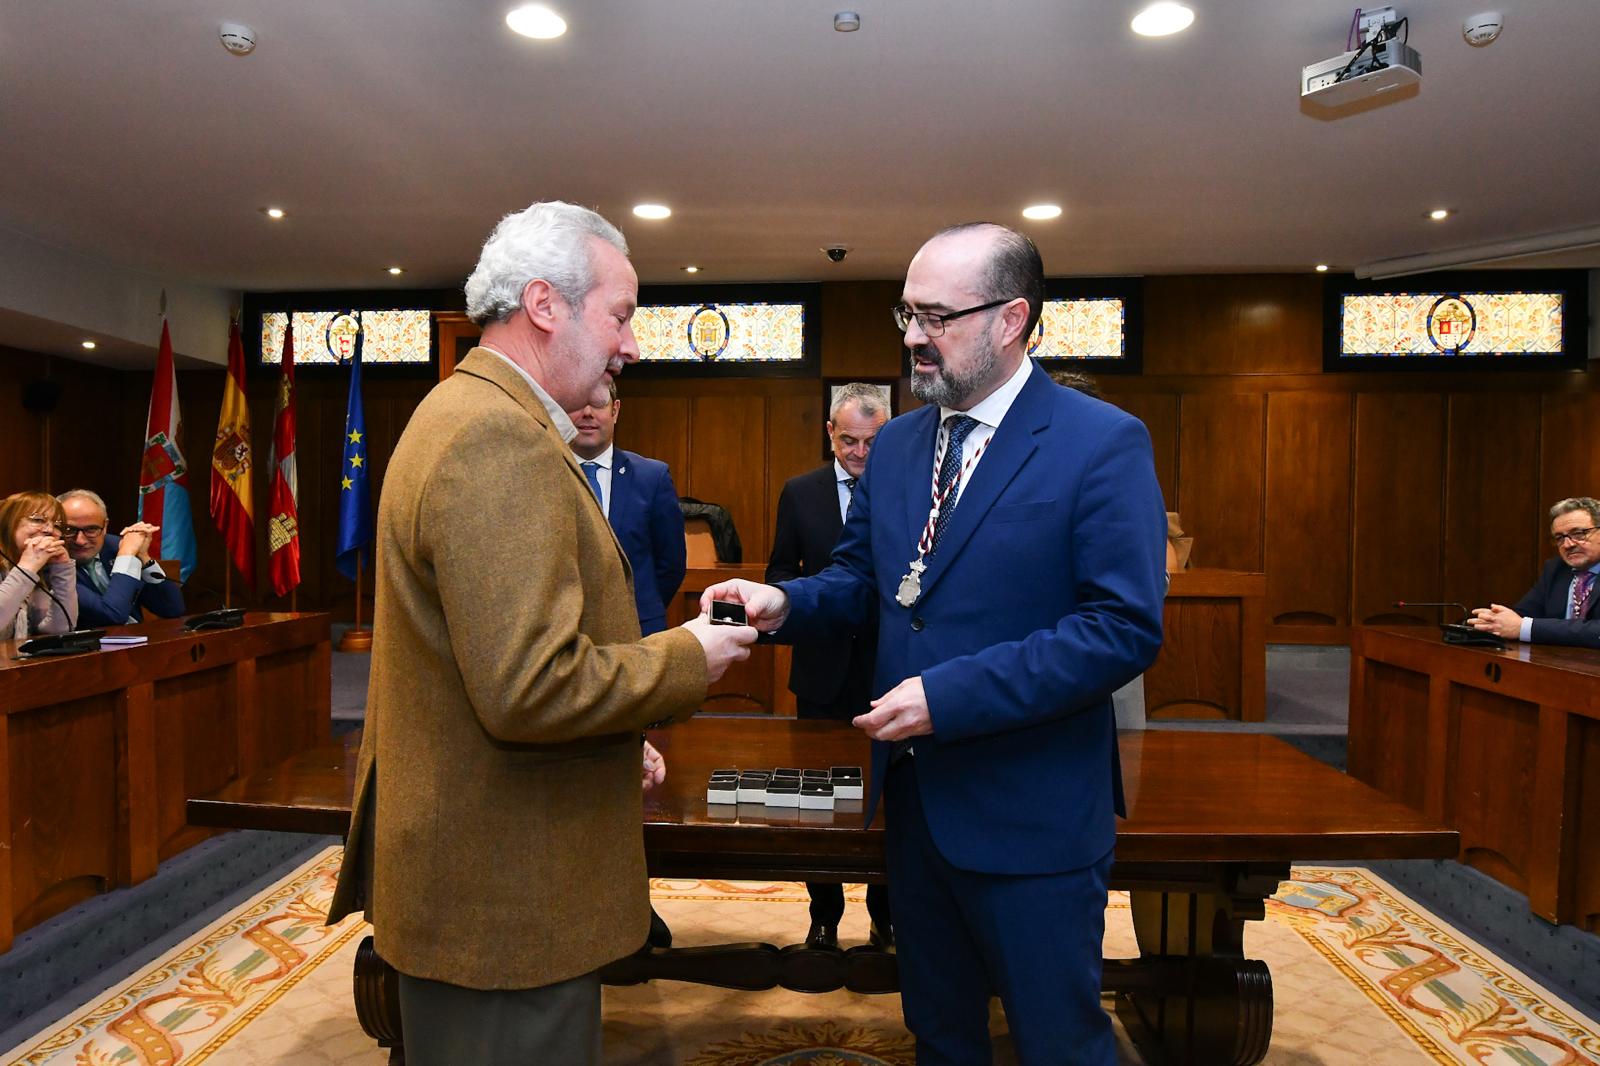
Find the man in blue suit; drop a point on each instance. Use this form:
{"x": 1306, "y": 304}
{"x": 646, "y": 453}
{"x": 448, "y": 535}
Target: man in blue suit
{"x": 640, "y": 502}
{"x": 118, "y": 582}
{"x": 1009, "y": 536}
{"x": 1563, "y": 607}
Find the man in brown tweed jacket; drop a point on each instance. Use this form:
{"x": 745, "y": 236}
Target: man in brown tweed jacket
{"x": 495, "y": 842}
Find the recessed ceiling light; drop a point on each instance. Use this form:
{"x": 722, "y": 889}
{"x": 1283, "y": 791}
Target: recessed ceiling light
{"x": 1439, "y": 214}
{"x": 273, "y": 213}
{"x": 88, "y": 346}
{"x": 1322, "y": 268}
{"x": 397, "y": 271}
{"x": 652, "y": 210}
{"x": 691, "y": 270}
{"x": 1159, "y": 20}
{"x": 536, "y": 21}
{"x": 1042, "y": 212}
{"x": 847, "y": 22}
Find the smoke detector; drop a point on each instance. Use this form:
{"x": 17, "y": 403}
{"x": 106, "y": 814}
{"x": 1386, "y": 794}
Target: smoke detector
{"x": 1482, "y": 28}
{"x": 847, "y": 22}
{"x": 238, "y": 38}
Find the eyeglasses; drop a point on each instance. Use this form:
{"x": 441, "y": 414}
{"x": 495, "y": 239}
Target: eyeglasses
{"x": 72, "y": 532}
{"x": 932, "y": 324}
{"x": 41, "y": 521}
{"x": 1577, "y": 536}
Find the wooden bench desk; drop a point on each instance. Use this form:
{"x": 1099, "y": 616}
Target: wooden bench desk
{"x": 1214, "y": 822}
{"x": 99, "y": 751}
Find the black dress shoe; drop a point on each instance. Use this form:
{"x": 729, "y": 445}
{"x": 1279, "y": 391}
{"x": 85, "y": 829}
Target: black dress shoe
{"x": 823, "y": 937}
{"x": 881, "y": 937}
{"x": 660, "y": 933}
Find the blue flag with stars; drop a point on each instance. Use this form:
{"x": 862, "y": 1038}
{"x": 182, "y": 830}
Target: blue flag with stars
{"x": 355, "y": 497}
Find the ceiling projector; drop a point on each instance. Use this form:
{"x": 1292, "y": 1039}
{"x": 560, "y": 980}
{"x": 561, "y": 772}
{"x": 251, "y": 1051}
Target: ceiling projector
{"x": 1376, "y": 68}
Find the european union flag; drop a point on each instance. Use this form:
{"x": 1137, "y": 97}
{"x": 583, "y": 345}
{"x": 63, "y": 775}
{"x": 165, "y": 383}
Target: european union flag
{"x": 355, "y": 497}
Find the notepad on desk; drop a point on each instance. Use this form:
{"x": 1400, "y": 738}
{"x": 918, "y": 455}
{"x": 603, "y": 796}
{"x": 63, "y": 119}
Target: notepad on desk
{"x": 122, "y": 642}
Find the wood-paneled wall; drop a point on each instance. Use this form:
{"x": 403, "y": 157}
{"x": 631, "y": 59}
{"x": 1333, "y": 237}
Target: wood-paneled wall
{"x": 1350, "y": 491}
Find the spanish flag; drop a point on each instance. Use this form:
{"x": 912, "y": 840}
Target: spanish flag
{"x": 232, "y": 466}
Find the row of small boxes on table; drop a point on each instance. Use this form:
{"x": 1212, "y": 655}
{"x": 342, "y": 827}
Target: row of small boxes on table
{"x": 806, "y": 789}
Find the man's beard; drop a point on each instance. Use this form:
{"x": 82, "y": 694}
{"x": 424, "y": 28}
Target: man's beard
{"x": 947, "y": 388}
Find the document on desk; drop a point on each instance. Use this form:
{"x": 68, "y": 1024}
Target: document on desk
{"x": 122, "y": 642}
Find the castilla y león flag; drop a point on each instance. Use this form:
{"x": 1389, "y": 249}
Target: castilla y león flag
{"x": 283, "y": 521}
{"x": 163, "y": 474}
{"x": 232, "y": 466}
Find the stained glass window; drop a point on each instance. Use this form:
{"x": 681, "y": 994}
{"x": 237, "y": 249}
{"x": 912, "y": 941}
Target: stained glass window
{"x": 391, "y": 336}
{"x": 1451, "y": 323}
{"x": 721, "y": 333}
{"x": 1080, "y": 329}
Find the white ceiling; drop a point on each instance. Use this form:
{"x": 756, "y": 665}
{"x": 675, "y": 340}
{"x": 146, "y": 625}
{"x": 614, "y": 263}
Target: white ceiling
{"x": 397, "y": 131}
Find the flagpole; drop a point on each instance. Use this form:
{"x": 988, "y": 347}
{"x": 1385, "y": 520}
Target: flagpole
{"x": 355, "y": 638}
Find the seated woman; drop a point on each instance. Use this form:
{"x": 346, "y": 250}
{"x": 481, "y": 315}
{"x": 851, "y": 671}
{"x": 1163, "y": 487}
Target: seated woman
{"x": 34, "y": 556}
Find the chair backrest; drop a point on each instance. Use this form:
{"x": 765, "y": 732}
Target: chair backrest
{"x": 702, "y": 550}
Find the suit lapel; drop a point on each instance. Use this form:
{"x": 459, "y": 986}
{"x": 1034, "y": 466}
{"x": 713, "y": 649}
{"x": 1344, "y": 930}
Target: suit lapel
{"x": 1008, "y": 450}
{"x": 919, "y": 479}
{"x": 622, "y": 486}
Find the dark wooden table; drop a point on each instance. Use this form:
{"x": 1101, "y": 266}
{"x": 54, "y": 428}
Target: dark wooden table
{"x": 100, "y": 751}
{"x": 1503, "y": 746}
{"x": 1214, "y": 822}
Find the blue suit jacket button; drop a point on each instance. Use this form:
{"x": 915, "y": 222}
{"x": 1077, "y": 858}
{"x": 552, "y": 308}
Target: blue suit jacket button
{"x": 916, "y": 624}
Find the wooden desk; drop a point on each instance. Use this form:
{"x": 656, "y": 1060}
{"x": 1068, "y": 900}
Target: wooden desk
{"x": 1503, "y": 746}
{"x": 1214, "y": 822}
{"x": 98, "y": 752}
{"x": 1213, "y": 660}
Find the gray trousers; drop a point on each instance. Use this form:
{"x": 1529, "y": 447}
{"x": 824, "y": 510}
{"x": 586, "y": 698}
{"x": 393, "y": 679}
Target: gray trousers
{"x": 447, "y": 1025}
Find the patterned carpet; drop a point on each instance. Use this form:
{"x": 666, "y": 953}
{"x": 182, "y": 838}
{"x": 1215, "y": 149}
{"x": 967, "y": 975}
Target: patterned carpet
{"x": 1363, "y": 976}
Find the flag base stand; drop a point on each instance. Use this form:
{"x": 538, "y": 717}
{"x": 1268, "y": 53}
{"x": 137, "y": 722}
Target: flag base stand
{"x": 356, "y": 640}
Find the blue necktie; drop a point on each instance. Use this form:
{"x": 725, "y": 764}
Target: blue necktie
{"x": 591, "y": 470}
{"x": 958, "y": 428}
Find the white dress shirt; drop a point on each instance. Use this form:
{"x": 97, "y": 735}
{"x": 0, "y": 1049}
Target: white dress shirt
{"x": 840, "y": 474}
{"x": 989, "y": 412}
{"x": 558, "y": 417}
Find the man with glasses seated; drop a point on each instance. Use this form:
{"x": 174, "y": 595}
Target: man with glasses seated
{"x": 1563, "y": 607}
{"x": 117, "y": 580}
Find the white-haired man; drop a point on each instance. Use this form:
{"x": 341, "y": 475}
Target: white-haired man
{"x": 495, "y": 841}
{"x": 117, "y": 580}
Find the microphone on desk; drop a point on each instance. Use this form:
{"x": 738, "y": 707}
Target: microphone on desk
{"x": 69, "y": 643}
{"x": 1459, "y": 632}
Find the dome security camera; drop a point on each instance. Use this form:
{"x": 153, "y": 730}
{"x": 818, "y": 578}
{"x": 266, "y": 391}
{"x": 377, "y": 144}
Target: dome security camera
{"x": 237, "y": 38}
{"x": 836, "y": 252}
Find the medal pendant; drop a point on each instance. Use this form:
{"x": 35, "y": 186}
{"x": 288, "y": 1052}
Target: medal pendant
{"x": 911, "y": 585}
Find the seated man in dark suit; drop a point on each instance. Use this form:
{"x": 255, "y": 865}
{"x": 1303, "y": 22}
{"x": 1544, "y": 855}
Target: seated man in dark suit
{"x": 1563, "y": 607}
{"x": 639, "y": 500}
{"x": 118, "y": 582}
{"x": 831, "y": 678}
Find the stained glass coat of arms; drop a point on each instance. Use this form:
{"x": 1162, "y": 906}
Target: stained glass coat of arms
{"x": 1462, "y": 323}
{"x": 722, "y": 333}
{"x": 391, "y": 336}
